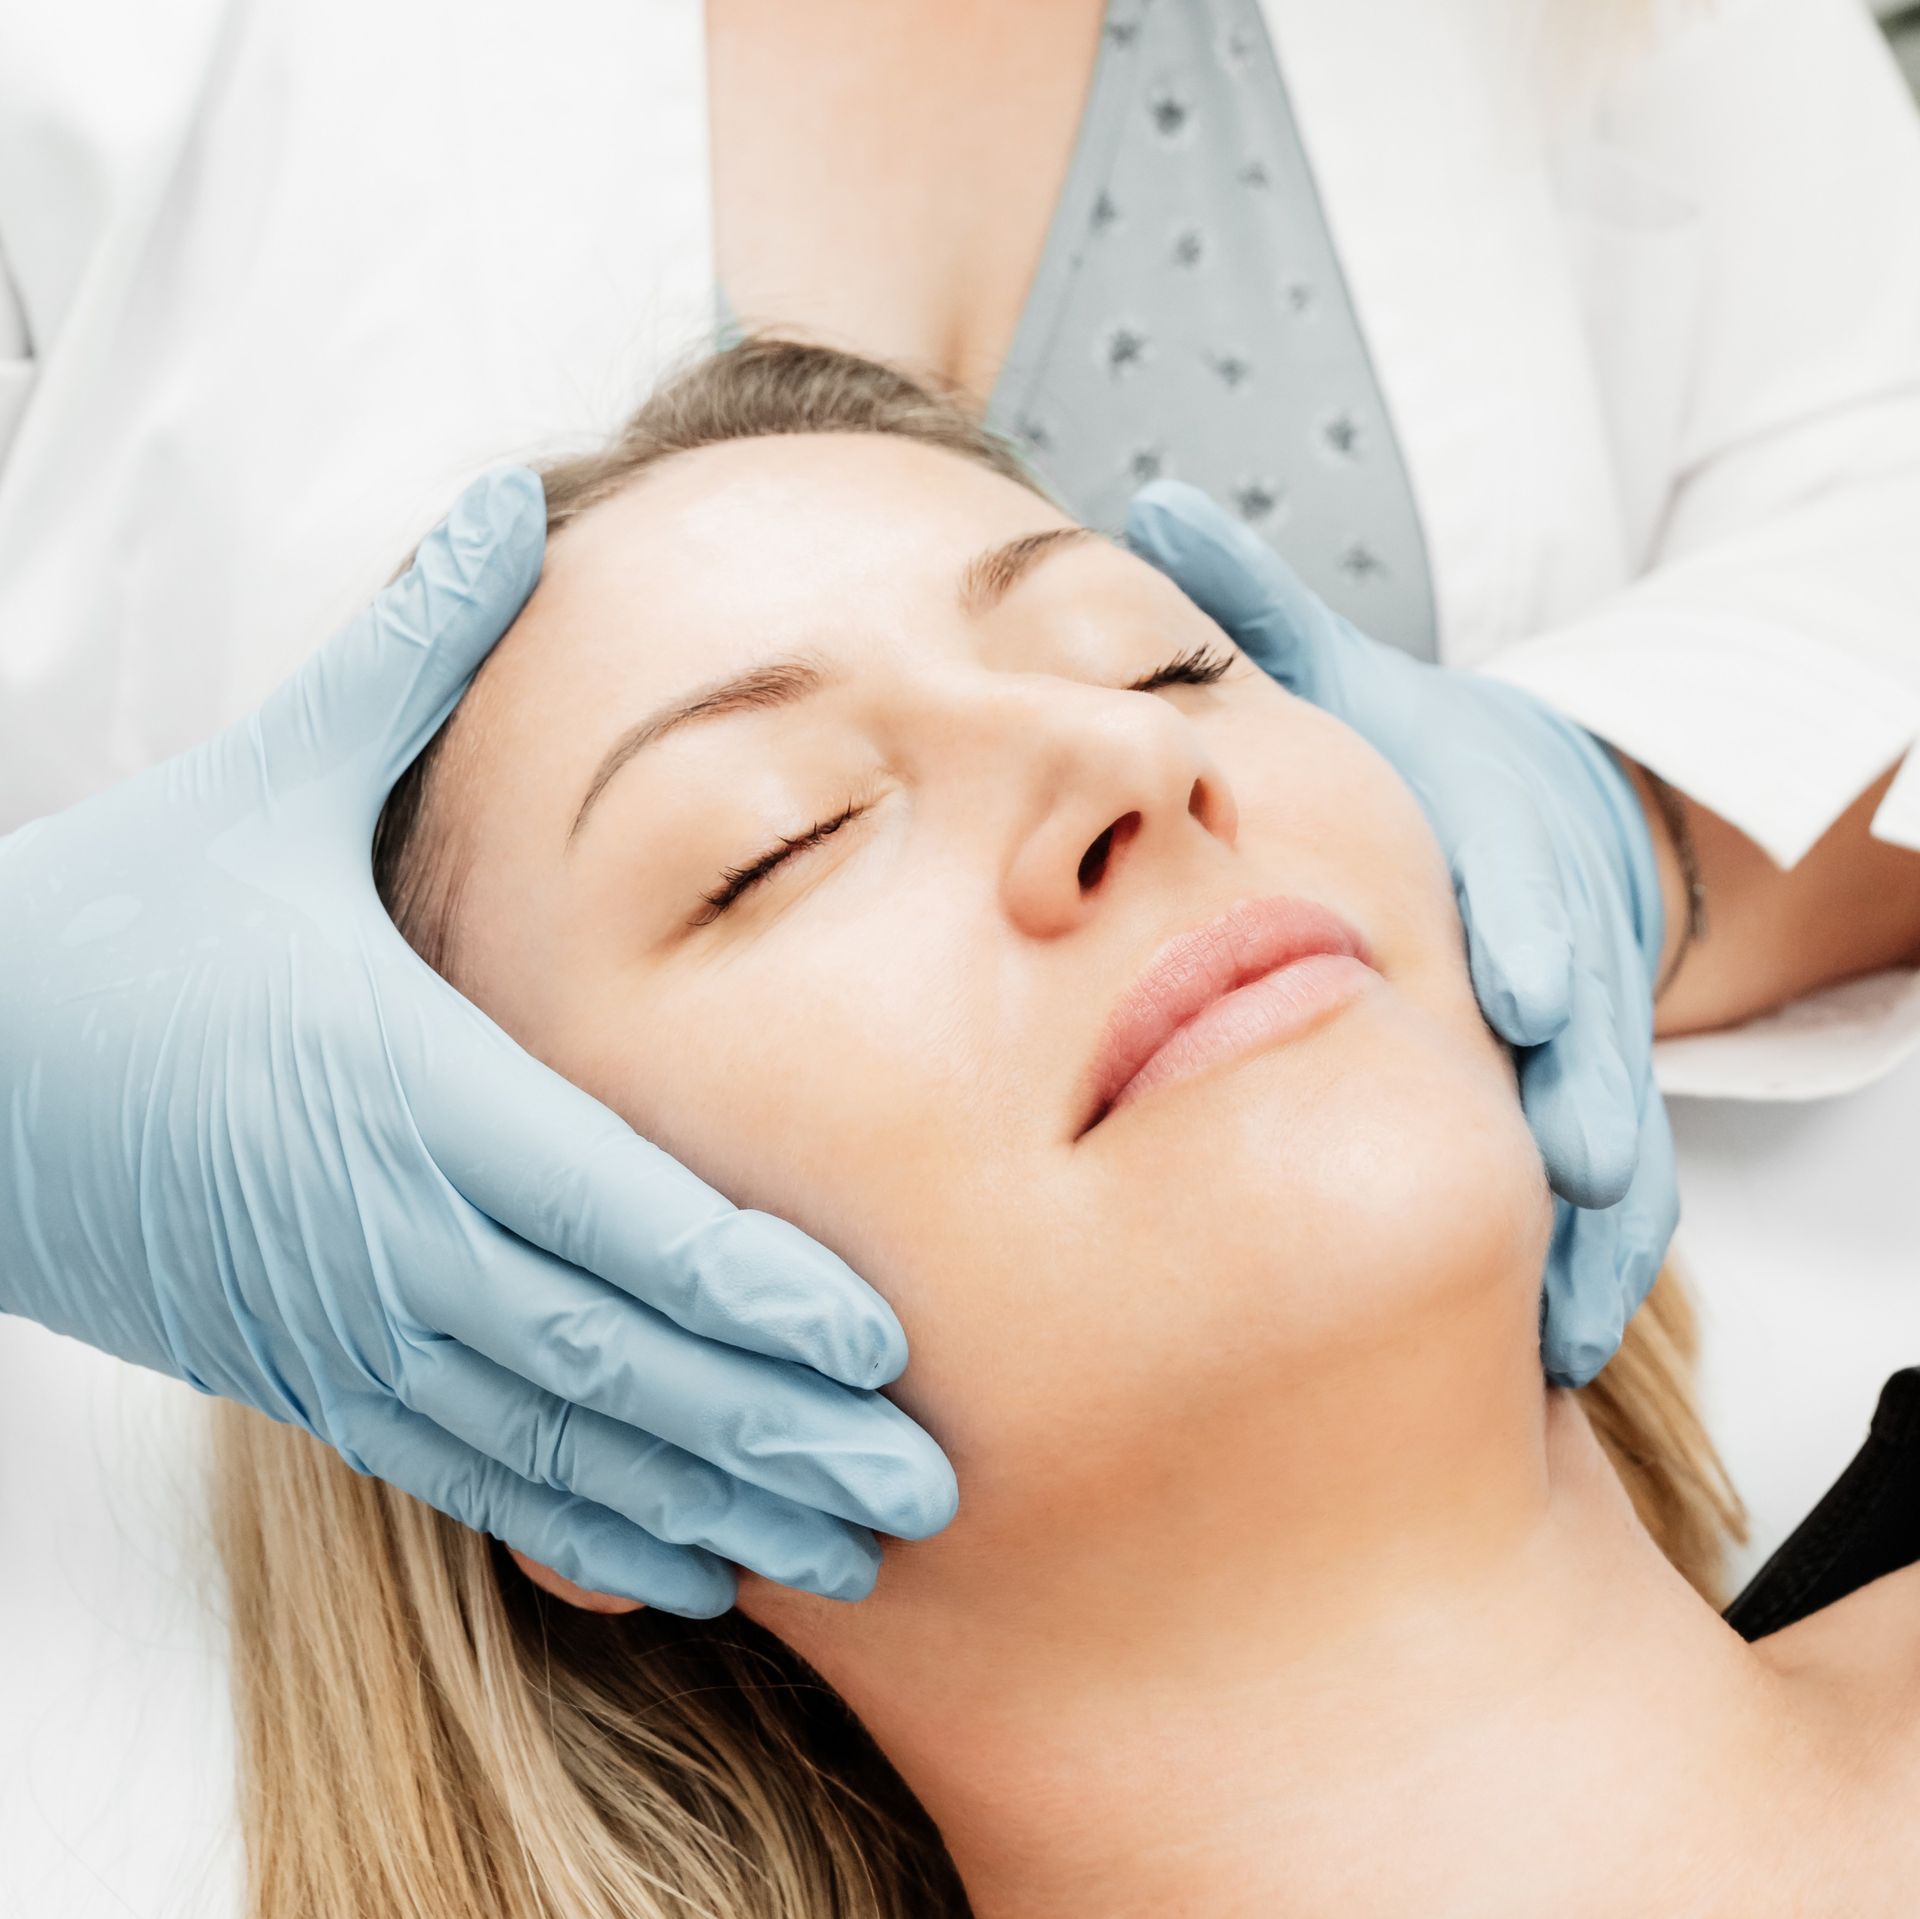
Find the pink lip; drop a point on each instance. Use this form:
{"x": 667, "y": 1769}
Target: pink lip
{"x": 1211, "y": 992}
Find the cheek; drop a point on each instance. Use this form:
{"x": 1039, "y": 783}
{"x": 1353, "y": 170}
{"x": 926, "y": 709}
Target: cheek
{"x": 869, "y": 1079}
{"x": 1324, "y": 813}
{"x": 836, "y": 1070}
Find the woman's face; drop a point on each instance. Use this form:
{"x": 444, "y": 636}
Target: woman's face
{"x": 888, "y": 1038}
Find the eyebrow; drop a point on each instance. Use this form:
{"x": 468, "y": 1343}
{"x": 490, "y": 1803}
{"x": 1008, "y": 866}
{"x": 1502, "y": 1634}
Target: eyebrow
{"x": 989, "y": 577}
{"x": 985, "y": 581}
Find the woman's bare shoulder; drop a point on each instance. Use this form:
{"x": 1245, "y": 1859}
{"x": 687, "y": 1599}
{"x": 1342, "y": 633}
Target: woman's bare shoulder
{"x": 1863, "y": 1652}
{"x": 1855, "y": 1666}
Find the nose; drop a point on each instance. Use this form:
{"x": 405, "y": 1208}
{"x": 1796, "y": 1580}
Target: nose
{"x": 1124, "y": 780}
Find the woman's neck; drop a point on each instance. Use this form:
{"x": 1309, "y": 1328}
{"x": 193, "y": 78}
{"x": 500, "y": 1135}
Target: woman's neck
{"x": 1245, "y": 1701}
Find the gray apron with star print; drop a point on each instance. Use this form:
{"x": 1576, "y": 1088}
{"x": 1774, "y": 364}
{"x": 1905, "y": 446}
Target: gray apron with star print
{"x": 1189, "y": 319}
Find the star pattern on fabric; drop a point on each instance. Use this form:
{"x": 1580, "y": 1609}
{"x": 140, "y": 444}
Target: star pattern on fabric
{"x": 1034, "y": 434}
{"x": 1257, "y": 501}
{"x": 1122, "y": 349}
{"x": 1190, "y": 316}
{"x": 1237, "y": 46}
{"x": 1360, "y": 562}
{"x": 1341, "y": 434}
{"x": 1171, "y": 112}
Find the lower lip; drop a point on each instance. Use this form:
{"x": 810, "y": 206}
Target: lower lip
{"x": 1280, "y": 1005}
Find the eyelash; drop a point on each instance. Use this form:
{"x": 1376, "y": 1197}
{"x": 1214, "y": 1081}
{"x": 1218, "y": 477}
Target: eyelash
{"x": 1201, "y": 665}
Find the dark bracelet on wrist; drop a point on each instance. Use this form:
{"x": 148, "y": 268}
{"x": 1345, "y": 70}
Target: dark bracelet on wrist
{"x": 1675, "y": 816}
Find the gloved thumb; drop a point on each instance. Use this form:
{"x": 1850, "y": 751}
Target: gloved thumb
{"x": 1235, "y": 578}
{"x": 392, "y": 674}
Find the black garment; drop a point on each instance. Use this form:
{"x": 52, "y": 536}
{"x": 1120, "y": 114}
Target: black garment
{"x": 1868, "y": 1524}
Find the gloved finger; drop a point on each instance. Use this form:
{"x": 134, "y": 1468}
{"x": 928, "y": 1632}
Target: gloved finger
{"x": 1604, "y": 1263}
{"x": 1237, "y": 580}
{"x": 1506, "y": 881}
{"x": 389, "y": 677}
{"x": 555, "y": 1167}
{"x": 666, "y": 1492}
{"x": 774, "y": 1424}
{"x": 1581, "y": 1102}
{"x": 583, "y": 1542}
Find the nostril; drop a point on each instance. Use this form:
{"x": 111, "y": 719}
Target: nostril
{"x": 1093, "y": 863}
{"x": 1210, "y": 801}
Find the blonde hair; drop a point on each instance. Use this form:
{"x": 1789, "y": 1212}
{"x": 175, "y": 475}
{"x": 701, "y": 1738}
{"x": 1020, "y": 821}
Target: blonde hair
{"x": 426, "y": 1735}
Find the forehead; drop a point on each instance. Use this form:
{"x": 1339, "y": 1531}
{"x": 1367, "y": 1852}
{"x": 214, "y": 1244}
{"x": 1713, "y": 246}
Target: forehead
{"x": 721, "y": 557}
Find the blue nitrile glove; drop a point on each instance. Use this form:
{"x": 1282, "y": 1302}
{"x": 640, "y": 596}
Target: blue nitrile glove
{"x": 1554, "y": 871}
{"x": 248, "y": 1138}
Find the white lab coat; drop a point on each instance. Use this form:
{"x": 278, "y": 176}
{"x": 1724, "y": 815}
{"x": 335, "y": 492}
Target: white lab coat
{"x": 276, "y": 277}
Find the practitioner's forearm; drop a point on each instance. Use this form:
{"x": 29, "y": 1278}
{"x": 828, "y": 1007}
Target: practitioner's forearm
{"x": 1851, "y": 906}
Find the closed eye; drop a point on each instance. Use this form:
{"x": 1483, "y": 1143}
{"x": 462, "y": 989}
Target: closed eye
{"x": 1201, "y": 665}
{"x": 735, "y": 880}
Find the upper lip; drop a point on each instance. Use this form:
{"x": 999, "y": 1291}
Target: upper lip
{"x": 1188, "y": 972}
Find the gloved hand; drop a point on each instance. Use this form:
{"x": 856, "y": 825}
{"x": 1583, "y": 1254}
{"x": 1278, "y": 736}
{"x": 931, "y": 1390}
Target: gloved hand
{"x": 1554, "y": 871}
{"x": 248, "y": 1138}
